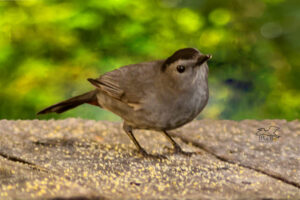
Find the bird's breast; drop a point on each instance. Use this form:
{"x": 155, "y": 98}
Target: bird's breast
{"x": 188, "y": 107}
{"x": 171, "y": 112}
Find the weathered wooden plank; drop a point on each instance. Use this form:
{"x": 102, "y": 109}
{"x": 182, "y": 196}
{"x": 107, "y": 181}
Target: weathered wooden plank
{"x": 21, "y": 181}
{"x": 84, "y": 158}
{"x": 242, "y": 142}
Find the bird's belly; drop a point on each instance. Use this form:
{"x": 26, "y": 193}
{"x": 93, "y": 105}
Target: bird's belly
{"x": 172, "y": 114}
{"x": 187, "y": 112}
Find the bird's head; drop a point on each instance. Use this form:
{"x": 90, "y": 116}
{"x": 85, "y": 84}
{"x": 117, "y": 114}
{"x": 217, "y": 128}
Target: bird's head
{"x": 182, "y": 69}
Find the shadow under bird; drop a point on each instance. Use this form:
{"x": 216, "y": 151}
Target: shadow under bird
{"x": 158, "y": 95}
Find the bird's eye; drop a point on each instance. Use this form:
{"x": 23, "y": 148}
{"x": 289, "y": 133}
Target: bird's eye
{"x": 180, "y": 68}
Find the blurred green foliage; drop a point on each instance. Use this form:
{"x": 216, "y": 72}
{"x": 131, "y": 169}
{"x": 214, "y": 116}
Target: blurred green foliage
{"x": 49, "y": 48}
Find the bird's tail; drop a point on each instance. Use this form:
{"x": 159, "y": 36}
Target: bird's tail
{"x": 89, "y": 97}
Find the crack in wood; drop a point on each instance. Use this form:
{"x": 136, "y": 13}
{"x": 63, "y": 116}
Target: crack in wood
{"x": 20, "y": 160}
{"x": 224, "y": 159}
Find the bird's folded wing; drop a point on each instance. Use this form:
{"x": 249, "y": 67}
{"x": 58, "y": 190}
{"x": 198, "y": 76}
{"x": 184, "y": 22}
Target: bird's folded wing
{"x": 108, "y": 84}
{"x": 117, "y": 86}
{"x": 129, "y": 84}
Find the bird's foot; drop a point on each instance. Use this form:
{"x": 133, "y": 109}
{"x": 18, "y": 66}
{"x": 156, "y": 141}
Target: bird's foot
{"x": 178, "y": 150}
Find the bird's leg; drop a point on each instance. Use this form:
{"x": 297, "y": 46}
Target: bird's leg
{"x": 177, "y": 148}
{"x": 128, "y": 130}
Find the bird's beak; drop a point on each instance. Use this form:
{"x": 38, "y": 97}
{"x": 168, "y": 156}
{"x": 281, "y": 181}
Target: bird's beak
{"x": 203, "y": 58}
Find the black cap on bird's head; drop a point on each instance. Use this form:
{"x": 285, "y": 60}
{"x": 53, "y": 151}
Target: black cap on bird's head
{"x": 186, "y": 54}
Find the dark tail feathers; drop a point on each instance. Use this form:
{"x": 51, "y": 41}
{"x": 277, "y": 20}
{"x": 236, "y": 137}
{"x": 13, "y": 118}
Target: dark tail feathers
{"x": 89, "y": 97}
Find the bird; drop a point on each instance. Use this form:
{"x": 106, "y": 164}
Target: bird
{"x": 159, "y": 95}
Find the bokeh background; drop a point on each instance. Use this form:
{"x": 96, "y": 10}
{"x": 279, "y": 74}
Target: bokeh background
{"x": 49, "y": 48}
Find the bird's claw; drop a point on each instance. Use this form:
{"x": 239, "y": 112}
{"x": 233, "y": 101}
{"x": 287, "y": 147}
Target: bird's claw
{"x": 178, "y": 150}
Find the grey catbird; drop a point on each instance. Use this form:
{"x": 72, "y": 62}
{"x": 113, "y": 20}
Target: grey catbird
{"x": 159, "y": 95}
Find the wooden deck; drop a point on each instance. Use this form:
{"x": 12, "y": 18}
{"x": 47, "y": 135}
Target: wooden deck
{"x": 85, "y": 159}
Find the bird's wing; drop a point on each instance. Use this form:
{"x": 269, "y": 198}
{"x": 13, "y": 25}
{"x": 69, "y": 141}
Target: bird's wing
{"x": 109, "y": 84}
{"x": 128, "y": 84}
